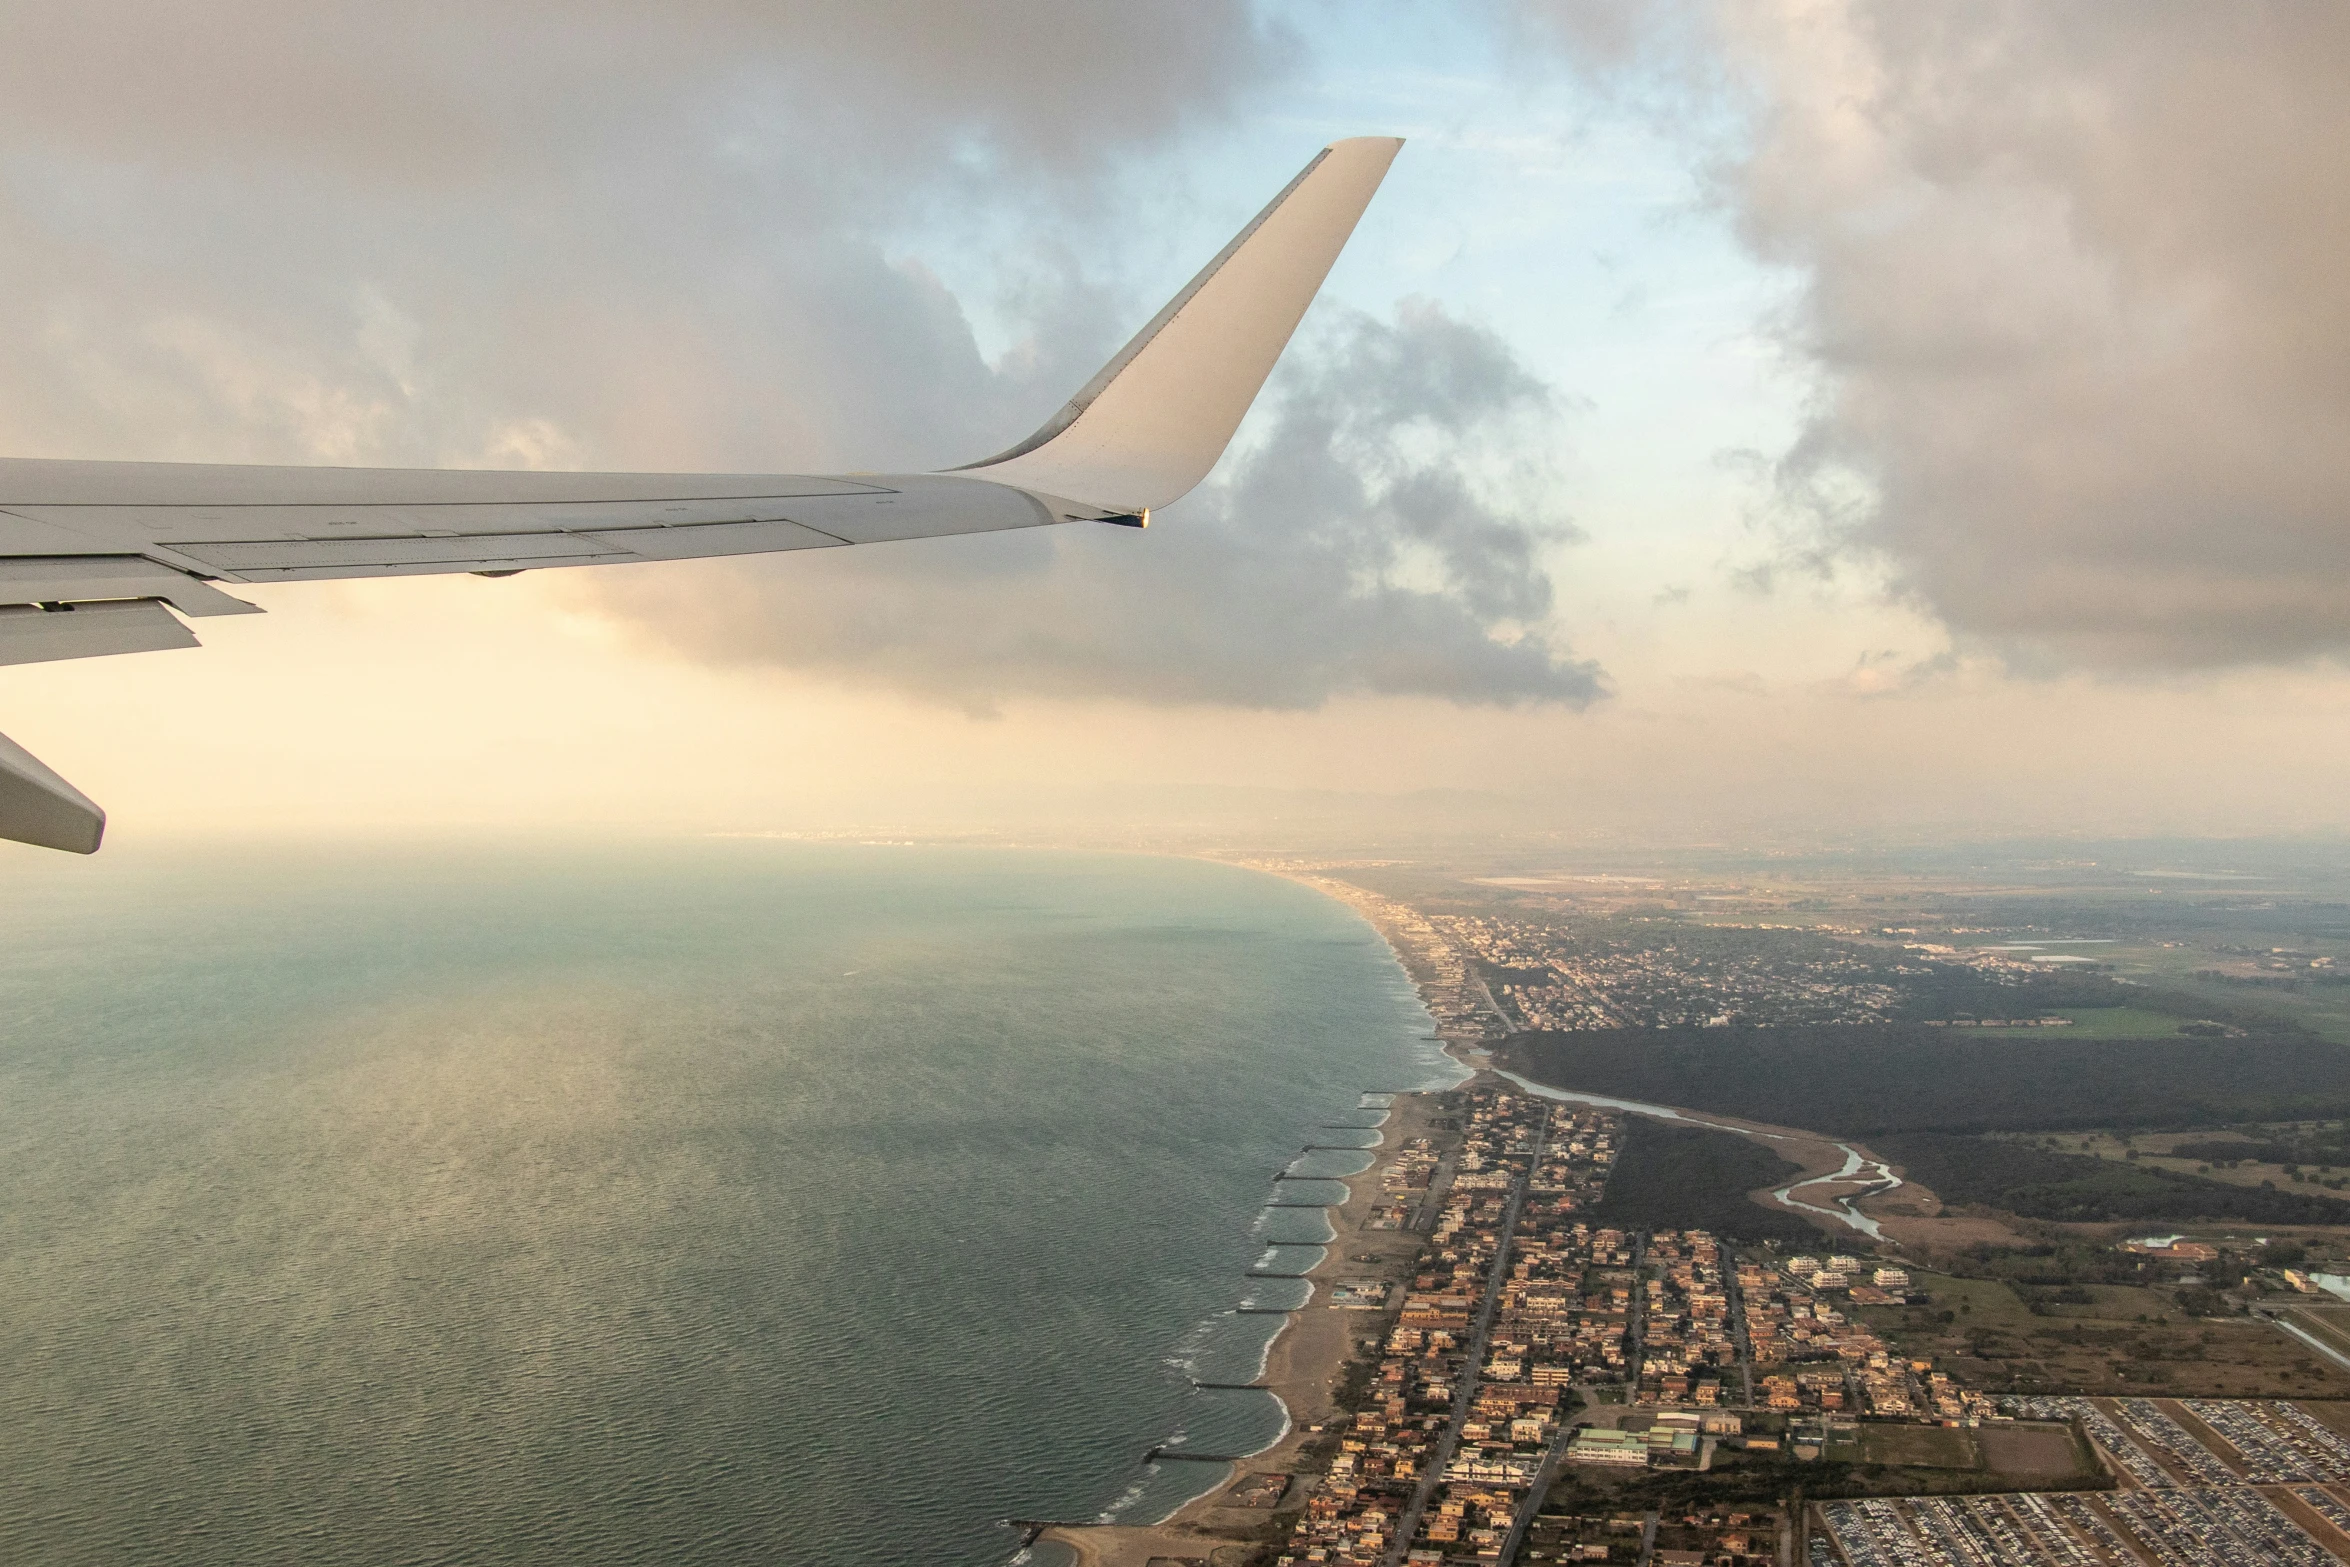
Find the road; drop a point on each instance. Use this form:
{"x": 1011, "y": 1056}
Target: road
{"x": 1533, "y": 1502}
{"x": 2310, "y": 1339}
{"x": 1636, "y": 1319}
{"x": 1741, "y": 1342}
{"x": 1466, "y": 1394}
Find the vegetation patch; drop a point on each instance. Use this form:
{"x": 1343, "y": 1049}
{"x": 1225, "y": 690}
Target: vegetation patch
{"x": 1920, "y": 1447}
{"x": 2076, "y": 1188}
{"x": 1693, "y": 1178}
{"x": 1862, "y": 1080}
{"x": 2037, "y": 1453}
{"x": 1986, "y": 1335}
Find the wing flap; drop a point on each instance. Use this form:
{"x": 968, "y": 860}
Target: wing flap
{"x": 293, "y": 560}
{"x": 30, "y": 634}
{"x": 702, "y": 541}
{"x": 55, "y": 579}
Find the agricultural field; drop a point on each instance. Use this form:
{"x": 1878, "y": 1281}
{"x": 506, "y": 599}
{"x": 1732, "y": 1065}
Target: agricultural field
{"x": 2126, "y": 1342}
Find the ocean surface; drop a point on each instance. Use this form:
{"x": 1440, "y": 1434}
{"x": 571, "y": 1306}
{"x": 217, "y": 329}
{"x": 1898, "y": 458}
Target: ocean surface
{"x": 739, "y": 1201}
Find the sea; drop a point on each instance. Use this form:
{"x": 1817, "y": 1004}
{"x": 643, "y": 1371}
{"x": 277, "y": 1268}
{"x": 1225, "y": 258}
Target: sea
{"x": 727, "y": 1200}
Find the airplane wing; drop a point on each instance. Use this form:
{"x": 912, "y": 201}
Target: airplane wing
{"x": 103, "y": 557}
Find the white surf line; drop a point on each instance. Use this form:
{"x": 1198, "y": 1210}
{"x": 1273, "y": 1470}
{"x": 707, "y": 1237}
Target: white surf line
{"x": 1264, "y": 1364}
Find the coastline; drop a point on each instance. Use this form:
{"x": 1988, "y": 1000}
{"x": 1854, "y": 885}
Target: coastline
{"x": 1823, "y": 1183}
{"x": 1304, "y": 1367}
{"x": 1450, "y": 996}
{"x": 1307, "y": 1361}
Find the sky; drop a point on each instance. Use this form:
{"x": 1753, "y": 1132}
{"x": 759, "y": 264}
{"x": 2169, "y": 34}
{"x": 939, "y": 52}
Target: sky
{"x": 1755, "y": 419}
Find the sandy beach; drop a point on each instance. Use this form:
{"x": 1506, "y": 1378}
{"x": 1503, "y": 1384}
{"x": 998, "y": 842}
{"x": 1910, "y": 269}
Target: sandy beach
{"x": 1307, "y": 1362}
{"x": 1304, "y": 1368}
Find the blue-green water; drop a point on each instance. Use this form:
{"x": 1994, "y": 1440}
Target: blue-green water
{"x": 738, "y": 1202}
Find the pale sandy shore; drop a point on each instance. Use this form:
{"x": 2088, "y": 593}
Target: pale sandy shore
{"x": 1304, "y": 1369}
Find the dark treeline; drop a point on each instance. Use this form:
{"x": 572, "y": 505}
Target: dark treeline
{"x": 1866, "y": 1079}
{"x": 1687, "y": 1178}
{"x": 2082, "y": 1189}
{"x": 1961, "y": 992}
{"x": 2330, "y": 1152}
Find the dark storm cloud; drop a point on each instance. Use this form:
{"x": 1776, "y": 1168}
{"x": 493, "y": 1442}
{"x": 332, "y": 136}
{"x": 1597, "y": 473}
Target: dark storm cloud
{"x": 1346, "y": 551}
{"x": 2072, "y": 287}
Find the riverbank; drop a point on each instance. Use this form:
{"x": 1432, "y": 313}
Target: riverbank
{"x": 1305, "y": 1367}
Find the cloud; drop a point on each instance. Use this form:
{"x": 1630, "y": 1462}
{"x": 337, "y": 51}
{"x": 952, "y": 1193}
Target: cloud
{"x": 443, "y": 91}
{"x": 662, "y": 235}
{"x": 2071, "y": 291}
{"x": 1357, "y": 544}
{"x": 710, "y": 234}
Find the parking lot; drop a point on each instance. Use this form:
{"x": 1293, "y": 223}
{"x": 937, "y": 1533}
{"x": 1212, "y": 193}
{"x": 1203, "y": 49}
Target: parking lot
{"x": 2237, "y": 1483}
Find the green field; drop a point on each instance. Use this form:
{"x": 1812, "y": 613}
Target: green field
{"x": 2324, "y": 1009}
{"x": 2130, "y": 1342}
{"x": 1919, "y": 1447}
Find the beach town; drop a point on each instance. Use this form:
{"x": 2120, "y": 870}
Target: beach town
{"x": 1493, "y": 1367}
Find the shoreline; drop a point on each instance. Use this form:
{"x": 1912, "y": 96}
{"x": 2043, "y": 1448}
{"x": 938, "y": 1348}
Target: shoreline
{"x": 1304, "y": 1366}
{"x": 1824, "y": 1173}
{"x": 1308, "y": 1358}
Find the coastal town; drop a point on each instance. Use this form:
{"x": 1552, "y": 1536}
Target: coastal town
{"x": 1538, "y": 1368}
{"x": 1540, "y": 1374}
{"x": 1559, "y": 978}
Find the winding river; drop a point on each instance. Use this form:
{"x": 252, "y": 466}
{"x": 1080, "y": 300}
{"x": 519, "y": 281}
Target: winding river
{"x": 1873, "y": 1172}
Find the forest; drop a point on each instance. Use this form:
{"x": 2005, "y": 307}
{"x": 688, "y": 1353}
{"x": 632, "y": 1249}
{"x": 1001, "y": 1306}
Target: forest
{"x": 2082, "y": 1189}
{"x": 1868, "y": 1079}
{"x": 1689, "y": 1178}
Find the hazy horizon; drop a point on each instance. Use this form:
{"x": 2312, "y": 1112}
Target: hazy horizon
{"x": 1731, "y": 420}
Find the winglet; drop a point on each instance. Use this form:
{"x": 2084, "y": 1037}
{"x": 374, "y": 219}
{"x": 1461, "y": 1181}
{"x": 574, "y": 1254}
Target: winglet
{"x": 1154, "y": 421}
{"x": 40, "y": 808}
